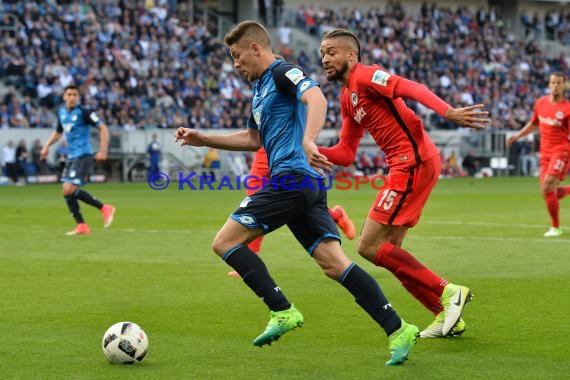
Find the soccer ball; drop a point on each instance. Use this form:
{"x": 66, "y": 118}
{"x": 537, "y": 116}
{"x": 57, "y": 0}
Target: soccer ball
{"x": 125, "y": 343}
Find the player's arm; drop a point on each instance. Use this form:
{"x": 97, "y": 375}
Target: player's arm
{"x": 91, "y": 118}
{"x": 103, "y": 142}
{"x": 290, "y": 79}
{"x": 316, "y": 115}
{"x": 238, "y": 141}
{"x": 526, "y": 130}
{"x": 344, "y": 153}
{"x": 471, "y": 116}
{"x": 52, "y": 139}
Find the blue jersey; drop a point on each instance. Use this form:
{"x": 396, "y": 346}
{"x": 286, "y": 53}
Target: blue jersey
{"x": 280, "y": 116}
{"x": 76, "y": 125}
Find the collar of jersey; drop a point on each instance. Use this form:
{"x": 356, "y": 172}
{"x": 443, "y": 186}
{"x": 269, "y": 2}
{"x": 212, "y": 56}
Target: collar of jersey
{"x": 270, "y": 68}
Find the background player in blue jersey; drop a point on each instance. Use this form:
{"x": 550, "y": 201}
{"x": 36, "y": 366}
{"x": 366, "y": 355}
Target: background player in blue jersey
{"x": 288, "y": 112}
{"x": 76, "y": 122}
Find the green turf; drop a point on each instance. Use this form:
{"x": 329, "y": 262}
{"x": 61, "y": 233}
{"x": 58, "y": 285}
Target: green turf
{"x": 154, "y": 266}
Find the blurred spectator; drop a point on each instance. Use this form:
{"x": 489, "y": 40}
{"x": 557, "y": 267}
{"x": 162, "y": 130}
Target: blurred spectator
{"x": 154, "y": 153}
{"x": 528, "y": 161}
{"x": 211, "y": 162}
{"x": 22, "y": 158}
{"x": 40, "y": 166}
{"x": 470, "y": 163}
{"x": 9, "y": 165}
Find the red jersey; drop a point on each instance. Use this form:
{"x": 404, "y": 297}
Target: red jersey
{"x": 367, "y": 103}
{"x": 553, "y": 121}
{"x": 260, "y": 165}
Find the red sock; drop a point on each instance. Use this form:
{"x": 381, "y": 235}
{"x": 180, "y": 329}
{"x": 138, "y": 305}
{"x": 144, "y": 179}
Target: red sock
{"x": 429, "y": 299}
{"x": 335, "y": 214}
{"x": 255, "y": 245}
{"x": 553, "y": 207}
{"x": 409, "y": 270}
{"x": 562, "y": 191}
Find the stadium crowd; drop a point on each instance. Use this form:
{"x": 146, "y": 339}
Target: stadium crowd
{"x": 142, "y": 67}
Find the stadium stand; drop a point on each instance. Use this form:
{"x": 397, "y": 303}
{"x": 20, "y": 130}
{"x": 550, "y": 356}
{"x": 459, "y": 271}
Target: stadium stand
{"x": 146, "y": 65}
{"x": 143, "y": 67}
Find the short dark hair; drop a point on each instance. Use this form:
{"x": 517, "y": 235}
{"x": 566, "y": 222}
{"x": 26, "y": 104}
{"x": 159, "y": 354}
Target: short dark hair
{"x": 251, "y": 30}
{"x": 71, "y": 87}
{"x": 559, "y": 74}
{"x": 343, "y": 33}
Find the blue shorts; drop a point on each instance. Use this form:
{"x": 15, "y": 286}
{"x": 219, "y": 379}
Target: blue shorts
{"x": 302, "y": 206}
{"x": 77, "y": 170}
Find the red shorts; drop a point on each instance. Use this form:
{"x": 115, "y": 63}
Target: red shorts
{"x": 555, "y": 164}
{"x": 401, "y": 199}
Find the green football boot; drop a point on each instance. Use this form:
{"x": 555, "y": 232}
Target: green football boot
{"x": 280, "y": 322}
{"x": 401, "y": 343}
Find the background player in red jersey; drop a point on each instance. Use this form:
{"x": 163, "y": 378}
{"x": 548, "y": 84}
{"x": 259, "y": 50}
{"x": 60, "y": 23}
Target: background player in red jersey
{"x": 371, "y": 100}
{"x": 552, "y": 117}
{"x": 259, "y": 170}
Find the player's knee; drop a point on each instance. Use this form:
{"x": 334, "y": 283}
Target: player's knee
{"x": 368, "y": 250}
{"x": 218, "y": 246}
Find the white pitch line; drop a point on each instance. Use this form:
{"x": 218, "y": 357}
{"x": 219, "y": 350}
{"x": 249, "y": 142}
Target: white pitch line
{"x": 409, "y": 236}
{"x": 556, "y": 240}
{"x": 482, "y": 224}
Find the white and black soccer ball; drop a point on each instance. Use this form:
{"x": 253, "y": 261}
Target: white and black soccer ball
{"x": 125, "y": 343}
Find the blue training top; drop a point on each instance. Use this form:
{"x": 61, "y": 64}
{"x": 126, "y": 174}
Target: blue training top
{"x": 76, "y": 125}
{"x": 280, "y": 116}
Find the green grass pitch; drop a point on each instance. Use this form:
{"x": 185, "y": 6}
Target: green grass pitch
{"x": 155, "y": 267}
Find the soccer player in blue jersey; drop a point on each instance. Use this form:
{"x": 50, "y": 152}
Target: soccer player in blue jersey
{"x": 76, "y": 122}
{"x": 288, "y": 112}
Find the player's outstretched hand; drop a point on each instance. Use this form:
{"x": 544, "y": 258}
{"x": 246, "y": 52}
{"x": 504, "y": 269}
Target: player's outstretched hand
{"x": 101, "y": 156}
{"x": 511, "y": 140}
{"x": 317, "y": 160}
{"x": 44, "y": 153}
{"x": 471, "y": 117}
{"x": 188, "y": 136}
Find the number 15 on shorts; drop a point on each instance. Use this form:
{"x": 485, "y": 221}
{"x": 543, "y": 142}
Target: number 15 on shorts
{"x": 387, "y": 200}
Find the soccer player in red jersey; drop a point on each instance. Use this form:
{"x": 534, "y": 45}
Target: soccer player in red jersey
{"x": 552, "y": 117}
{"x": 371, "y": 100}
{"x": 259, "y": 170}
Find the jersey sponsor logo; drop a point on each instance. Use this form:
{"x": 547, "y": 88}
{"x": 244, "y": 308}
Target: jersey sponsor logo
{"x": 359, "y": 115}
{"x": 304, "y": 86}
{"x": 381, "y": 77}
{"x": 295, "y": 75}
{"x": 354, "y": 98}
{"x": 403, "y": 158}
{"x": 93, "y": 117}
{"x": 550, "y": 121}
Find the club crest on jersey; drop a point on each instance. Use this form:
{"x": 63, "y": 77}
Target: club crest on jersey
{"x": 67, "y": 126}
{"x": 257, "y": 115}
{"x": 295, "y": 75}
{"x": 354, "y": 98}
{"x": 559, "y": 115}
{"x": 74, "y": 118}
{"x": 381, "y": 77}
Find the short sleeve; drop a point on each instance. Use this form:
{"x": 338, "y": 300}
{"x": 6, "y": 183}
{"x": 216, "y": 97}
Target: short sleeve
{"x": 90, "y": 117}
{"x": 290, "y": 79}
{"x": 377, "y": 81}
